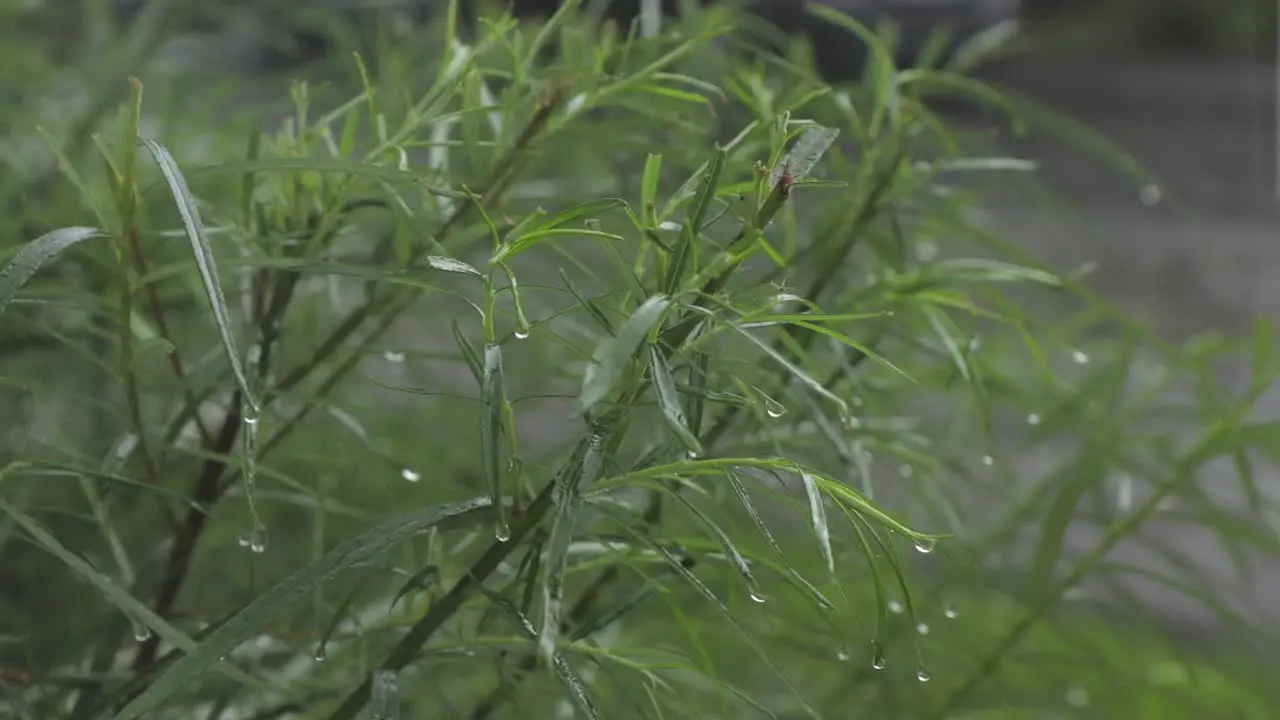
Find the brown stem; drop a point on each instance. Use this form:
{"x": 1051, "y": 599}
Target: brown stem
{"x": 206, "y": 493}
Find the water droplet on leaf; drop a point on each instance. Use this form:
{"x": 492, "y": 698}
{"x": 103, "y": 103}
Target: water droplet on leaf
{"x": 773, "y": 408}
{"x": 410, "y": 475}
{"x": 842, "y": 654}
{"x": 1080, "y": 357}
{"x": 393, "y": 356}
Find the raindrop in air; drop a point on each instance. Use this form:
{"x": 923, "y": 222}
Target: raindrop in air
{"x": 925, "y": 545}
{"x": 894, "y": 607}
{"x": 988, "y": 460}
{"x": 949, "y": 612}
{"x": 773, "y": 408}
{"x": 1080, "y": 357}
{"x": 521, "y": 333}
{"x": 926, "y": 251}
{"x": 393, "y": 356}
{"x": 1033, "y": 419}
{"x": 907, "y": 471}
{"x": 1124, "y": 492}
{"x": 922, "y": 628}
{"x": 501, "y": 530}
{"x": 1077, "y": 697}
{"x": 756, "y": 596}
{"x": 1150, "y": 195}
{"x": 856, "y": 401}
{"x": 842, "y": 654}
{"x": 922, "y": 674}
{"x": 410, "y": 475}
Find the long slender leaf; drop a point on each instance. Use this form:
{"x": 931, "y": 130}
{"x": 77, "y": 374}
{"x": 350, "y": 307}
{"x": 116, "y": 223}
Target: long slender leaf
{"x": 252, "y": 618}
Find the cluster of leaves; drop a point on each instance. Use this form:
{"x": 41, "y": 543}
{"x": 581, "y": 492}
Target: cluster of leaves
{"x": 680, "y": 387}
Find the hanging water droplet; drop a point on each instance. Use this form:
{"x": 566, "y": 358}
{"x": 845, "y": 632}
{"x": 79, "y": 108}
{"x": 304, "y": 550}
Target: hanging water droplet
{"x": 692, "y": 454}
{"x": 842, "y": 654}
{"x": 922, "y": 628}
{"x": 773, "y": 408}
{"x": 501, "y": 530}
{"x": 878, "y": 661}
{"x": 258, "y": 540}
{"x": 321, "y": 654}
{"x": 410, "y": 475}
{"x": 393, "y": 356}
{"x": 922, "y": 673}
{"x": 756, "y": 596}
{"x": 1080, "y": 357}
{"x": 1150, "y": 195}
{"x": 925, "y": 545}
{"x": 141, "y": 633}
{"x": 949, "y": 612}
{"x": 1033, "y": 419}
{"x": 906, "y": 471}
{"x": 988, "y": 460}
{"x": 521, "y": 333}
{"x": 895, "y": 607}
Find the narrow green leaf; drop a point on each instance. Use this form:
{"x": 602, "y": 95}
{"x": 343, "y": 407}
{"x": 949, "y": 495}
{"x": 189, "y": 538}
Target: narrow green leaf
{"x": 568, "y": 492}
{"x": 35, "y": 254}
{"x": 110, "y": 591}
{"x": 205, "y": 261}
{"x": 612, "y": 356}
{"x": 254, "y": 617}
{"x": 447, "y": 264}
{"x": 649, "y": 189}
{"x": 731, "y": 551}
{"x": 669, "y": 400}
{"x": 491, "y": 400}
{"x": 469, "y": 353}
{"x": 818, "y": 516}
{"x": 741, "y": 491}
{"x": 564, "y": 671}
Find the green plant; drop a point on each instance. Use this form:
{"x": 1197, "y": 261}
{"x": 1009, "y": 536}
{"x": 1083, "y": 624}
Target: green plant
{"x": 646, "y": 430}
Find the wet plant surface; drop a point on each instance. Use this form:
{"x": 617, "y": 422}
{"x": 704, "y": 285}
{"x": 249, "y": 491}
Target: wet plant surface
{"x": 636, "y": 380}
